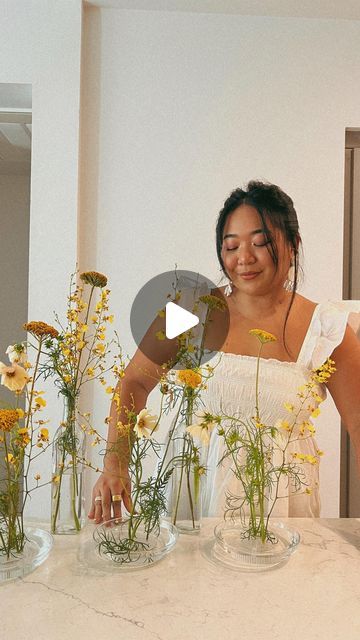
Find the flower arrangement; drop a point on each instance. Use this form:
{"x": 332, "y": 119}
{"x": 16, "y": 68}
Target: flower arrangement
{"x": 75, "y": 356}
{"x": 250, "y": 445}
{"x": 135, "y": 540}
{"x": 189, "y": 440}
{"x": 23, "y": 437}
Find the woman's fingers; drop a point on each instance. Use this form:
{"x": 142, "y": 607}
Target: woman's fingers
{"x": 98, "y": 511}
{"x": 106, "y": 506}
{"x": 116, "y": 505}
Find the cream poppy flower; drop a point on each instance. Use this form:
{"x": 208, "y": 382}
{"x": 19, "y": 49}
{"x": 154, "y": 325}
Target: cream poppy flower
{"x": 13, "y": 377}
{"x": 16, "y": 353}
{"x": 202, "y": 429}
{"x": 145, "y": 424}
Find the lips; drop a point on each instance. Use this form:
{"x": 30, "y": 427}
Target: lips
{"x": 249, "y": 275}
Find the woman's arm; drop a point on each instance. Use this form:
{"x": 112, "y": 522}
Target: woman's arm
{"x": 344, "y": 386}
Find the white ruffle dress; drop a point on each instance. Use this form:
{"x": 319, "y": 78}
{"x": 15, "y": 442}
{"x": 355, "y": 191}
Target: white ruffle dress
{"x": 231, "y": 391}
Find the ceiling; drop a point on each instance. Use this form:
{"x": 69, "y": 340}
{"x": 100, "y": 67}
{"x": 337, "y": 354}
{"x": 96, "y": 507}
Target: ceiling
{"x": 335, "y": 9}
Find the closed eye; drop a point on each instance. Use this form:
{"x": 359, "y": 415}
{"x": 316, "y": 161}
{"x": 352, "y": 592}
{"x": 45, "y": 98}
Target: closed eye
{"x": 261, "y": 244}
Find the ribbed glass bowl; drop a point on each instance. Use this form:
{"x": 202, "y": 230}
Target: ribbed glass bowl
{"x": 115, "y": 545}
{"x": 236, "y": 551}
{"x": 36, "y": 550}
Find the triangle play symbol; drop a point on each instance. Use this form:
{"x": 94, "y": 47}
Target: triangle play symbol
{"x": 178, "y": 320}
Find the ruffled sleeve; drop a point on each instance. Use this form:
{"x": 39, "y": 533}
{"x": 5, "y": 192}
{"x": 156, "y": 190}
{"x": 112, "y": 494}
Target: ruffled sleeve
{"x": 326, "y": 331}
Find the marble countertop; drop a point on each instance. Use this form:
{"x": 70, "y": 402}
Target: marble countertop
{"x": 315, "y": 595}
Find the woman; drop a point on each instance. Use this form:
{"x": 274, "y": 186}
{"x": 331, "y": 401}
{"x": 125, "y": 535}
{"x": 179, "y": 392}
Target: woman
{"x": 258, "y": 244}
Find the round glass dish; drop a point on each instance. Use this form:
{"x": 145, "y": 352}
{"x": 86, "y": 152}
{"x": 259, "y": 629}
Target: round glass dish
{"x": 128, "y": 546}
{"x": 35, "y": 552}
{"x": 234, "y": 550}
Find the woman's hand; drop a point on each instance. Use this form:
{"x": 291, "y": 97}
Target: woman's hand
{"x": 109, "y": 492}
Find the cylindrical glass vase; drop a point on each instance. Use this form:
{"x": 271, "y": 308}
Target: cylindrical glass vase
{"x": 189, "y": 467}
{"x": 67, "y": 495}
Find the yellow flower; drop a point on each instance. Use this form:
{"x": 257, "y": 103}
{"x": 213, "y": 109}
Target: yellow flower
{"x": 94, "y": 278}
{"x": 10, "y": 458}
{"x": 40, "y": 402}
{"x": 41, "y": 329}
{"x": 308, "y": 490}
{"x": 282, "y": 424}
{"x": 202, "y": 429}
{"x": 37, "y": 477}
{"x": 289, "y": 407}
{"x": 56, "y": 479}
{"x": 189, "y": 377}
{"x": 13, "y": 377}
{"x": 94, "y": 319}
{"x": 8, "y": 419}
{"x": 263, "y": 336}
{"x": 90, "y": 372}
{"x": 24, "y": 435}
{"x": 315, "y": 413}
{"x": 109, "y": 390}
{"x": 99, "y": 348}
{"x": 161, "y": 313}
{"x": 146, "y": 424}
{"x": 20, "y": 413}
{"x": 44, "y": 434}
{"x": 160, "y": 335}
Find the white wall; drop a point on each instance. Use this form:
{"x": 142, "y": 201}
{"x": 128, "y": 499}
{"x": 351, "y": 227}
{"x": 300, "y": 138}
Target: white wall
{"x": 40, "y": 44}
{"x": 181, "y": 108}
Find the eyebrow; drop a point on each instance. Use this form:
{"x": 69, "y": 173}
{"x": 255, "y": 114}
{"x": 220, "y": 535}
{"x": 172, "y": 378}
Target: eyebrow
{"x": 235, "y": 235}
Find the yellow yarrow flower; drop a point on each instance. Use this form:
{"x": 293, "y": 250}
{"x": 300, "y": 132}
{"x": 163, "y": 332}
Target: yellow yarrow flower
{"x": 41, "y": 329}
{"x": 94, "y": 278}
{"x": 263, "y": 336}
{"x": 189, "y": 377}
{"x": 8, "y": 419}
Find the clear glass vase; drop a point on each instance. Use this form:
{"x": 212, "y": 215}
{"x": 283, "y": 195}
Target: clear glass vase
{"x": 189, "y": 467}
{"x": 67, "y": 494}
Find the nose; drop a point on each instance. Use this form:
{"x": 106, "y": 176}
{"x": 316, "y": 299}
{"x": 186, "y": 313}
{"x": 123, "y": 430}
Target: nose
{"x": 245, "y": 254}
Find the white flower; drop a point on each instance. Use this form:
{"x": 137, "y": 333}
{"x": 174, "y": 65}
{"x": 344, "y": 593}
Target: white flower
{"x": 202, "y": 429}
{"x": 146, "y": 424}
{"x": 16, "y": 353}
{"x": 13, "y": 377}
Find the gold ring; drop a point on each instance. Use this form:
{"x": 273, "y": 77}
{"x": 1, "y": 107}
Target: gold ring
{"x": 98, "y": 499}
{"x": 116, "y": 498}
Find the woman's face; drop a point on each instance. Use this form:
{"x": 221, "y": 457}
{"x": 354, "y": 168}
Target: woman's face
{"x": 246, "y": 256}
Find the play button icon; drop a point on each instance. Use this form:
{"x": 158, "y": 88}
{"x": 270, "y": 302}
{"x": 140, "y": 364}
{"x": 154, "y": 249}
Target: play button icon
{"x": 171, "y": 314}
{"x": 178, "y": 320}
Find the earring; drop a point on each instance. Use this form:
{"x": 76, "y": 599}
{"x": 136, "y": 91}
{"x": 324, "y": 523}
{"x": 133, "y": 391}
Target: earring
{"x": 289, "y": 282}
{"x": 228, "y": 289}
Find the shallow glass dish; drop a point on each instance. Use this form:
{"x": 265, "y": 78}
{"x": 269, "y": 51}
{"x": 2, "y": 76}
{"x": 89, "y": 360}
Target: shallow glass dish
{"x": 232, "y": 549}
{"x": 36, "y": 550}
{"x": 114, "y": 545}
